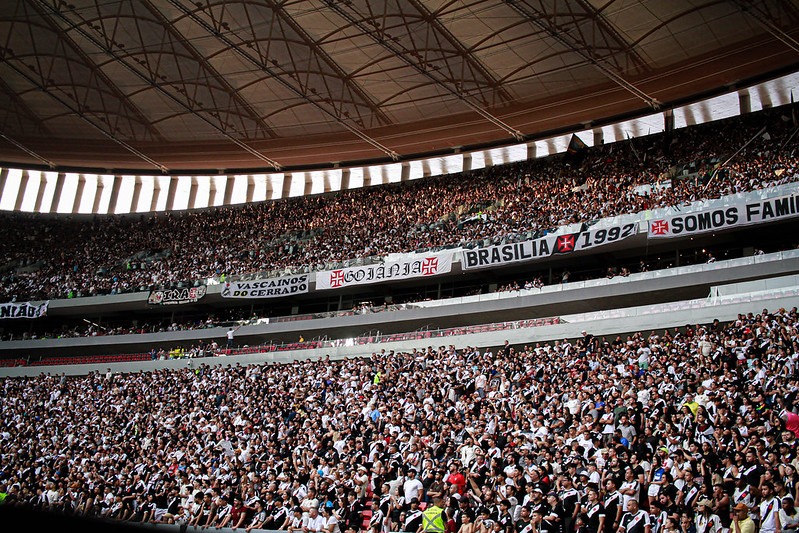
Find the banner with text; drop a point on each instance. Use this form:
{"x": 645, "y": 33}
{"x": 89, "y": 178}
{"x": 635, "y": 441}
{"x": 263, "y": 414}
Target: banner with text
{"x": 504, "y": 254}
{"x": 23, "y": 310}
{"x": 739, "y": 213}
{"x": 184, "y": 295}
{"x": 412, "y": 268}
{"x": 266, "y": 288}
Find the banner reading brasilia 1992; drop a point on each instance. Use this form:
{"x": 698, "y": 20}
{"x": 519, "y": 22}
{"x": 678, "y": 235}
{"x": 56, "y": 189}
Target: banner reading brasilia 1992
{"x": 504, "y": 254}
{"x": 737, "y": 213}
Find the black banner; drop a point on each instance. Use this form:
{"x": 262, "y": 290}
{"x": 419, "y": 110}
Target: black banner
{"x": 184, "y": 295}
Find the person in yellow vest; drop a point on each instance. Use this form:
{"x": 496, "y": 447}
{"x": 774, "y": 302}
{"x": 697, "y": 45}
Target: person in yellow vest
{"x": 434, "y": 518}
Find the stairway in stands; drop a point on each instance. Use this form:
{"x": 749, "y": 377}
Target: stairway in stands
{"x": 367, "y": 506}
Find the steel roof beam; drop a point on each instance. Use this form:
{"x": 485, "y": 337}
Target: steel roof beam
{"x": 277, "y": 77}
{"x": 116, "y": 57}
{"x": 402, "y": 53}
{"x": 542, "y": 20}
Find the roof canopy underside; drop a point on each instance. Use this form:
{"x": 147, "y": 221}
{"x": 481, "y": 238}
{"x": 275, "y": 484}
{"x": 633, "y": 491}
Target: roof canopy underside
{"x": 181, "y": 85}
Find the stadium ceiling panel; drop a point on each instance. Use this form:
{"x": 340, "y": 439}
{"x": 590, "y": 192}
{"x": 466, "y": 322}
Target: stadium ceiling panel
{"x": 206, "y": 85}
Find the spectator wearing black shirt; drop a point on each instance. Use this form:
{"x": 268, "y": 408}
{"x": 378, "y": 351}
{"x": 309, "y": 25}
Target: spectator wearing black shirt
{"x": 592, "y": 512}
{"x": 570, "y": 499}
{"x": 613, "y": 506}
{"x": 557, "y": 513}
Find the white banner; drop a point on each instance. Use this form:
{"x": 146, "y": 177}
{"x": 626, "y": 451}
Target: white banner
{"x": 266, "y": 288}
{"x": 738, "y": 213}
{"x": 505, "y": 254}
{"x": 23, "y": 310}
{"x": 425, "y": 266}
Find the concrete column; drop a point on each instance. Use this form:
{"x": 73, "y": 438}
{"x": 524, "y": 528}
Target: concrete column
{"x": 37, "y": 207}
{"x": 268, "y": 189}
{"x": 328, "y": 181}
{"x": 345, "y": 179}
{"x": 308, "y": 177}
{"x": 59, "y": 188}
{"x": 98, "y": 194}
{"x": 116, "y": 183}
{"x": 134, "y": 202}
{"x": 23, "y": 185}
{"x": 157, "y": 192}
{"x": 171, "y": 192}
{"x": 467, "y": 162}
{"x": 79, "y": 193}
{"x": 531, "y": 150}
{"x": 599, "y": 137}
{"x": 193, "y": 192}
{"x": 250, "y": 188}
{"x": 668, "y": 120}
{"x": 744, "y": 102}
{"x": 229, "y": 190}
{"x": 286, "y": 190}
{"x": 3, "y": 178}
{"x": 425, "y": 168}
{"x": 405, "y": 174}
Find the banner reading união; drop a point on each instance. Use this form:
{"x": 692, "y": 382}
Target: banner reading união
{"x": 23, "y": 310}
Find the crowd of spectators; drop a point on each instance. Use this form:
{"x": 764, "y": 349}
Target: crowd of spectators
{"x": 689, "y": 430}
{"x": 59, "y": 256}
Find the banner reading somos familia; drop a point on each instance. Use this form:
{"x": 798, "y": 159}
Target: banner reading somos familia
{"x": 429, "y": 265}
{"x": 738, "y": 213}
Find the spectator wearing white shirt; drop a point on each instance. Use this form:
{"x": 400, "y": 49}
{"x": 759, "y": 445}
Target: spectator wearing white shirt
{"x": 412, "y": 488}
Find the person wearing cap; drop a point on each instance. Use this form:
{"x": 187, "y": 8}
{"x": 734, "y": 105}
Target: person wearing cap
{"x": 769, "y": 509}
{"x": 434, "y": 518}
{"x": 276, "y": 519}
{"x": 295, "y": 521}
{"x": 706, "y": 521}
{"x": 556, "y": 513}
{"x": 411, "y": 518}
{"x": 634, "y": 520}
{"x": 412, "y": 487}
{"x": 742, "y": 522}
{"x": 537, "y": 499}
{"x": 258, "y": 519}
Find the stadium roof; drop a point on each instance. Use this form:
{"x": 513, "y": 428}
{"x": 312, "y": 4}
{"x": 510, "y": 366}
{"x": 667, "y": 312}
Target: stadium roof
{"x": 182, "y": 86}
